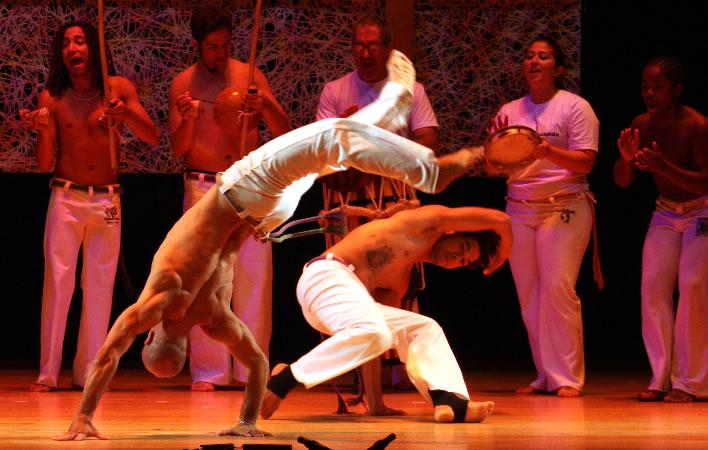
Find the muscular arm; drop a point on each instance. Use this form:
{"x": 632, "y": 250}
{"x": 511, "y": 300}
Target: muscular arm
{"x": 47, "y": 137}
{"x": 135, "y": 115}
{"x": 138, "y": 318}
{"x": 241, "y": 343}
{"x": 273, "y": 113}
{"x": 182, "y": 122}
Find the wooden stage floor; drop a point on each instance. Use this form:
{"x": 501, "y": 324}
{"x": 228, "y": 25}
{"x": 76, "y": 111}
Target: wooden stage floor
{"x": 141, "y": 412}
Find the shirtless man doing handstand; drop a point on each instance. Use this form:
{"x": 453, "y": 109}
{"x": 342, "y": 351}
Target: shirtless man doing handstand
{"x": 188, "y": 282}
{"x": 345, "y": 294}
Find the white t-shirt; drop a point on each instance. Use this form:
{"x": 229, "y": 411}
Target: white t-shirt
{"x": 567, "y": 121}
{"x": 340, "y": 94}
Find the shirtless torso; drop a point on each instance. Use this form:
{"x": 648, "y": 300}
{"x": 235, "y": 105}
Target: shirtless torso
{"x": 78, "y": 132}
{"x": 384, "y": 252}
{"x": 205, "y": 144}
{"x": 679, "y": 144}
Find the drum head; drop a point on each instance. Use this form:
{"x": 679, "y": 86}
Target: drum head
{"x": 511, "y": 147}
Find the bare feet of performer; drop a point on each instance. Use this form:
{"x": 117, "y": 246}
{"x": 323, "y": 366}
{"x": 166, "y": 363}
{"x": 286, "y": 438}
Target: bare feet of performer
{"x": 678, "y": 396}
{"x": 563, "y": 391}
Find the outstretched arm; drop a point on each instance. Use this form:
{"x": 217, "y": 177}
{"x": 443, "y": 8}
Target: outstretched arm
{"x": 442, "y": 220}
{"x": 138, "y": 318}
{"x": 241, "y": 343}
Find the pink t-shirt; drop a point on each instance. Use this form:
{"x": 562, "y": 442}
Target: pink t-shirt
{"x": 340, "y": 94}
{"x": 567, "y": 121}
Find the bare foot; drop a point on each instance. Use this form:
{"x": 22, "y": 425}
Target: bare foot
{"x": 678, "y": 396}
{"x": 456, "y": 164}
{"x": 568, "y": 392}
{"x": 476, "y": 160}
{"x": 401, "y": 70}
{"x": 528, "y": 390}
{"x": 39, "y": 387}
{"x": 384, "y": 410}
{"x": 271, "y": 402}
{"x": 650, "y": 395}
{"x": 476, "y": 412}
{"x": 203, "y": 386}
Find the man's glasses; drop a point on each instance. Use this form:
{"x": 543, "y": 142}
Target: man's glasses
{"x": 372, "y": 47}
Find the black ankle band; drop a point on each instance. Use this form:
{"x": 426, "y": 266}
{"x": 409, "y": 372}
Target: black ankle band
{"x": 458, "y": 405}
{"x": 282, "y": 383}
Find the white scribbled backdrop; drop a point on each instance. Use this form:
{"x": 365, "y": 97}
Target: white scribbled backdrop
{"x": 468, "y": 57}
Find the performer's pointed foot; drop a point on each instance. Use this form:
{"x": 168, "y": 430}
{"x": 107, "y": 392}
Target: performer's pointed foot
{"x": 476, "y": 412}
{"x": 271, "y": 402}
{"x": 401, "y": 70}
{"x": 467, "y": 160}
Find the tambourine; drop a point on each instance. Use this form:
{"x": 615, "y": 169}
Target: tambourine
{"x": 511, "y": 147}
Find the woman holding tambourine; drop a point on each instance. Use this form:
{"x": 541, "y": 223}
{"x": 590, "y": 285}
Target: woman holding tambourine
{"x": 553, "y": 136}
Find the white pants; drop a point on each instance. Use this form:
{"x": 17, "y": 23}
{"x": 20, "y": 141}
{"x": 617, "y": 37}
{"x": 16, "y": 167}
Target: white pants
{"x": 251, "y": 301}
{"x": 676, "y": 249}
{"x": 336, "y": 303}
{"x": 268, "y": 182}
{"x": 76, "y": 220}
{"x": 549, "y": 243}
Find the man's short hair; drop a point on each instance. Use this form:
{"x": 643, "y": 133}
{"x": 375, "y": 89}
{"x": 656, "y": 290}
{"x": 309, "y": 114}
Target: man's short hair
{"x": 208, "y": 19}
{"x": 374, "y": 22}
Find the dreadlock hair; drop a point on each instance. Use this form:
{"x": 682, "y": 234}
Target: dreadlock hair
{"x": 374, "y": 22}
{"x": 59, "y": 79}
{"x": 670, "y": 67}
{"x": 208, "y": 19}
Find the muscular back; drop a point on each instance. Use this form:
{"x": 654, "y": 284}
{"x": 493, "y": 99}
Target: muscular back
{"x": 193, "y": 264}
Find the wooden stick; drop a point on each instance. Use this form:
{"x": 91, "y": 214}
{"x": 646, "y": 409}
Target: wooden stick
{"x": 106, "y": 88}
{"x": 251, "y": 71}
